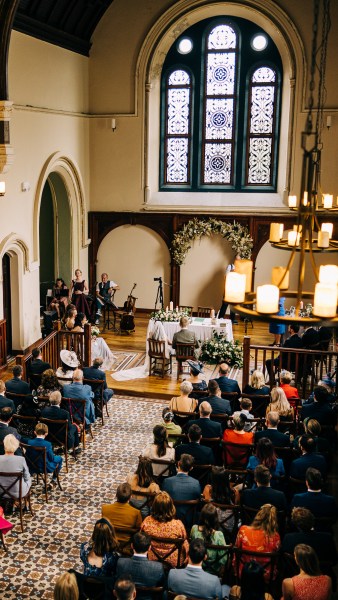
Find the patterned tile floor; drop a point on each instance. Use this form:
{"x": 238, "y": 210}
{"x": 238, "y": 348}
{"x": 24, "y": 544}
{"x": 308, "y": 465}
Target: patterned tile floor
{"x": 51, "y": 540}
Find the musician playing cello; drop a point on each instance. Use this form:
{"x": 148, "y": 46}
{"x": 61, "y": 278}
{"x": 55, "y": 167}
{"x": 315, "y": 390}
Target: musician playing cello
{"x": 104, "y": 292}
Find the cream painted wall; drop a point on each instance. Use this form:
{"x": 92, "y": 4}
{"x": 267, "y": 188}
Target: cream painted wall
{"x": 135, "y": 254}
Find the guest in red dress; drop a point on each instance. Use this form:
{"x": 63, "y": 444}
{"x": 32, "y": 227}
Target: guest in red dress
{"x": 310, "y": 584}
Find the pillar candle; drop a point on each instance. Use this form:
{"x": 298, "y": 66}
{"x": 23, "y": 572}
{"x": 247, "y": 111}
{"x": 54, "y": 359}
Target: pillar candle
{"x": 305, "y": 199}
{"x": 327, "y": 200}
{"x": 293, "y": 238}
{"x": 323, "y": 239}
{"x": 171, "y": 306}
{"x": 325, "y": 301}
{"x": 292, "y": 201}
{"x": 212, "y": 314}
{"x": 244, "y": 267}
{"x": 267, "y": 299}
{"x": 276, "y": 232}
{"x": 276, "y": 276}
{"x": 327, "y": 227}
{"x": 234, "y": 287}
{"x": 328, "y": 274}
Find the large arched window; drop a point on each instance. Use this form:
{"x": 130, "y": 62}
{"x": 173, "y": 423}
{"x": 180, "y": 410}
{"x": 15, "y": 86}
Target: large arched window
{"x": 221, "y": 87}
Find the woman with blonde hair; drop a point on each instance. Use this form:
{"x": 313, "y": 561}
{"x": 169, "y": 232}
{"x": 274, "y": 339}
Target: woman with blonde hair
{"x": 66, "y": 587}
{"x": 11, "y": 463}
{"x": 142, "y": 481}
{"x": 261, "y": 536}
{"x": 257, "y": 385}
{"x": 162, "y": 523}
{"x": 184, "y": 403}
{"x": 279, "y": 403}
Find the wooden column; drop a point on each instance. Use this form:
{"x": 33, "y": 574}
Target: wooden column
{"x": 246, "y": 360}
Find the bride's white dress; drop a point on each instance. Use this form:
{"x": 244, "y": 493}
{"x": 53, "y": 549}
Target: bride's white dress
{"x": 100, "y": 348}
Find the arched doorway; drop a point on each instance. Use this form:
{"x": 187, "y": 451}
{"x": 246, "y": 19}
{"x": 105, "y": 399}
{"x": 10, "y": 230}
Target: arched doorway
{"x": 7, "y": 300}
{"x": 54, "y": 234}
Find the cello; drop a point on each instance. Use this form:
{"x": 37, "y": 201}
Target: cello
{"x": 127, "y": 322}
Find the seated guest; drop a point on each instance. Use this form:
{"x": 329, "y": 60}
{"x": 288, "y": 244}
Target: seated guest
{"x": 121, "y": 514}
{"x": 279, "y": 440}
{"x": 322, "y": 542}
{"x": 313, "y": 429}
{"x": 49, "y": 383}
{"x": 66, "y": 587}
{"x": 3, "y": 400}
{"x": 210, "y": 532}
{"x": 219, "y": 405}
{"x": 182, "y": 486}
{"x": 288, "y": 358}
{"x": 69, "y": 317}
{"x": 310, "y": 583}
{"x": 69, "y": 362}
{"x": 319, "y": 409}
{"x": 94, "y": 372}
{"x": 309, "y": 458}
{"x": 329, "y": 385}
{"x": 193, "y": 581}
{"x": 219, "y": 491}
{"x": 124, "y": 588}
{"x": 11, "y": 463}
{"x": 210, "y": 429}
{"x": 257, "y": 385}
{"x": 37, "y": 366}
{"x": 99, "y": 555}
{"x": 184, "y": 336}
{"x": 289, "y": 390}
{"x": 160, "y": 450}
{"x": 310, "y": 337}
{"x": 265, "y": 455}
{"x": 261, "y": 536}
{"x": 142, "y": 481}
{"x": 183, "y": 402}
{"x": 245, "y": 406}
{"x": 5, "y": 428}
{"x": 77, "y": 390}
{"x": 225, "y": 383}
{"x": 199, "y": 385}
{"x": 162, "y": 523}
{"x": 55, "y": 412}
{"x": 144, "y": 572}
{"x": 252, "y": 584}
{"x": 29, "y": 407}
{"x": 263, "y": 493}
{"x": 202, "y": 454}
{"x": 238, "y": 435}
{"x": 60, "y": 299}
{"x": 280, "y": 404}
{"x": 173, "y": 430}
{"x": 16, "y": 385}
{"x": 53, "y": 462}
{"x": 321, "y": 505}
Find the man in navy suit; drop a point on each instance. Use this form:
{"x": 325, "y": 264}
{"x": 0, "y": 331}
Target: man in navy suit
{"x": 218, "y": 404}
{"x": 16, "y": 385}
{"x": 225, "y": 383}
{"x": 310, "y": 337}
{"x": 56, "y": 413}
{"x": 37, "y": 366}
{"x": 263, "y": 494}
{"x": 93, "y": 373}
{"x": 53, "y": 462}
{"x": 279, "y": 440}
{"x": 320, "y": 409}
{"x": 210, "y": 429}
{"x": 321, "y": 505}
{"x": 144, "y": 572}
{"x": 5, "y": 429}
{"x": 193, "y": 581}
{"x": 322, "y": 542}
{"x": 202, "y": 454}
{"x": 293, "y": 341}
{"x": 182, "y": 486}
{"x": 82, "y": 392}
{"x": 308, "y": 459}
{"x": 3, "y": 400}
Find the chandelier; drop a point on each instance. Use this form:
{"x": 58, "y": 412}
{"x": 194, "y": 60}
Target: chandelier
{"x": 313, "y": 228}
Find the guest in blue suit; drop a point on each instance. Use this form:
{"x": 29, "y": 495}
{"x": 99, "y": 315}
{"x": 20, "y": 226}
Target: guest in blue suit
{"x": 320, "y": 505}
{"x": 182, "y": 486}
{"x": 144, "y": 572}
{"x": 77, "y": 390}
{"x": 225, "y": 383}
{"x": 53, "y": 462}
{"x": 93, "y": 373}
{"x": 193, "y": 581}
{"x": 308, "y": 459}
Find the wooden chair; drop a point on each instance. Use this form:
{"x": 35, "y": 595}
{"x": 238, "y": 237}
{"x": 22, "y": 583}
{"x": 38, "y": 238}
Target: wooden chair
{"x": 201, "y": 473}
{"x": 252, "y": 425}
{"x": 158, "y": 359}
{"x": 221, "y": 418}
{"x": 34, "y": 380}
{"x": 77, "y": 409}
{"x": 27, "y": 423}
{"x": 243, "y": 556}
{"x": 248, "y": 514}
{"x": 37, "y": 464}
{"x": 8, "y": 482}
{"x": 187, "y": 512}
{"x": 17, "y": 398}
{"x": 124, "y": 536}
{"x": 156, "y": 593}
{"x": 148, "y": 499}
{"x": 236, "y": 456}
{"x": 233, "y": 398}
{"x": 58, "y": 434}
{"x": 182, "y": 418}
{"x": 260, "y": 403}
{"x": 287, "y": 455}
{"x": 97, "y": 387}
{"x": 211, "y": 564}
{"x": 230, "y": 534}
{"x": 174, "y": 545}
{"x": 172, "y": 595}
{"x": 215, "y": 445}
{"x": 188, "y": 309}
{"x": 184, "y": 352}
{"x": 169, "y": 468}
{"x": 95, "y": 588}
{"x": 204, "y": 312}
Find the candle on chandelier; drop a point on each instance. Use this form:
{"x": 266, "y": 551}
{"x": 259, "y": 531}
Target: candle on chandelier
{"x": 292, "y": 201}
{"x": 244, "y": 266}
{"x": 293, "y": 238}
{"x": 328, "y": 274}
{"x": 325, "y": 300}
{"x": 298, "y": 228}
{"x": 276, "y": 276}
{"x": 305, "y": 199}
{"x": 327, "y": 227}
{"x": 327, "y": 200}
{"x": 267, "y": 299}
{"x": 323, "y": 239}
{"x": 276, "y": 232}
{"x": 235, "y": 287}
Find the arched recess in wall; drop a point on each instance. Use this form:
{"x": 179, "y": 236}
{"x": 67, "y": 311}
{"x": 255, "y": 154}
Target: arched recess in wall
{"x": 14, "y": 263}
{"x": 272, "y": 19}
{"x": 135, "y": 254}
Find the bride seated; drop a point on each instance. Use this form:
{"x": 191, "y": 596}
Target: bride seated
{"x": 99, "y": 347}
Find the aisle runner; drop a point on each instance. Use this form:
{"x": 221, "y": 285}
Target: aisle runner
{"x": 127, "y": 360}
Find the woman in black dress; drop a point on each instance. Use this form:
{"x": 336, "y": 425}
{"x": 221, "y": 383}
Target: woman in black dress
{"x": 79, "y": 293}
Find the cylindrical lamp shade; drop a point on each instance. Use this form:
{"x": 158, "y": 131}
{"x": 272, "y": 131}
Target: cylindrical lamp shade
{"x": 328, "y": 274}
{"x": 327, "y": 200}
{"x": 325, "y": 301}
{"x": 292, "y": 200}
{"x": 267, "y": 298}
{"x": 276, "y": 232}
{"x": 234, "y": 287}
{"x": 323, "y": 239}
{"x": 293, "y": 238}
{"x": 327, "y": 227}
{"x": 276, "y": 276}
{"x": 244, "y": 267}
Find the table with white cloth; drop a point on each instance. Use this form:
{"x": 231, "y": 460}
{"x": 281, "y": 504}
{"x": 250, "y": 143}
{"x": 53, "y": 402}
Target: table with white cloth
{"x": 202, "y": 328}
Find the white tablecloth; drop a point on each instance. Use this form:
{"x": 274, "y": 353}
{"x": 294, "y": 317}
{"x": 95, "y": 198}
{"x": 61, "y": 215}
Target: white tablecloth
{"x": 203, "y": 330}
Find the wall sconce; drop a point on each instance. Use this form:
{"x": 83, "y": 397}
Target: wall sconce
{"x": 113, "y": 124}
{"x": 2, "y": 188}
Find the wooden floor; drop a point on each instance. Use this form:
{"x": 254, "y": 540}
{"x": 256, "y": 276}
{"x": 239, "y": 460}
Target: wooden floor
{"x": 154, "y": 386}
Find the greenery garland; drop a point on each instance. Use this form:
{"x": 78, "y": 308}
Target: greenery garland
{"x": 236, "y": 234}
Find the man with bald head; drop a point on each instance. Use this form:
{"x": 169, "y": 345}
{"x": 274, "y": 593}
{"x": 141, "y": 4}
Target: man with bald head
{"x": 225, "y": 383}
{"x": 76, "y": 390}
{"x": 210, "y": 429}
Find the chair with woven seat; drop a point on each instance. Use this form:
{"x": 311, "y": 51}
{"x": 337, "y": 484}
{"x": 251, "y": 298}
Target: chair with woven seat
{"x": 77, "y": 409}
{"x": 124, "y": 536}
{"x": 157, "y": 356}
{"x": 36, "y": 460}
{"x": 58, "y": 434}
{"x": 184, "y": 352}
{"x": 182, "y": 418}
{"x": 8, "y": 483}
{"x": 204, "y": 312}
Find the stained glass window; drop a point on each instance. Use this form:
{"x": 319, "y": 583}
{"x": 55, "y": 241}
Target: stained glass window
{"x": 178, "y": 127}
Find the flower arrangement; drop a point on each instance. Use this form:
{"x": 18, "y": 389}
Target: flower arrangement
{"x": 218, "y": 349}
{"x": 95, "y": 332}
{"x": 170, "y": 315}
{"x": 236, "y": 234}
